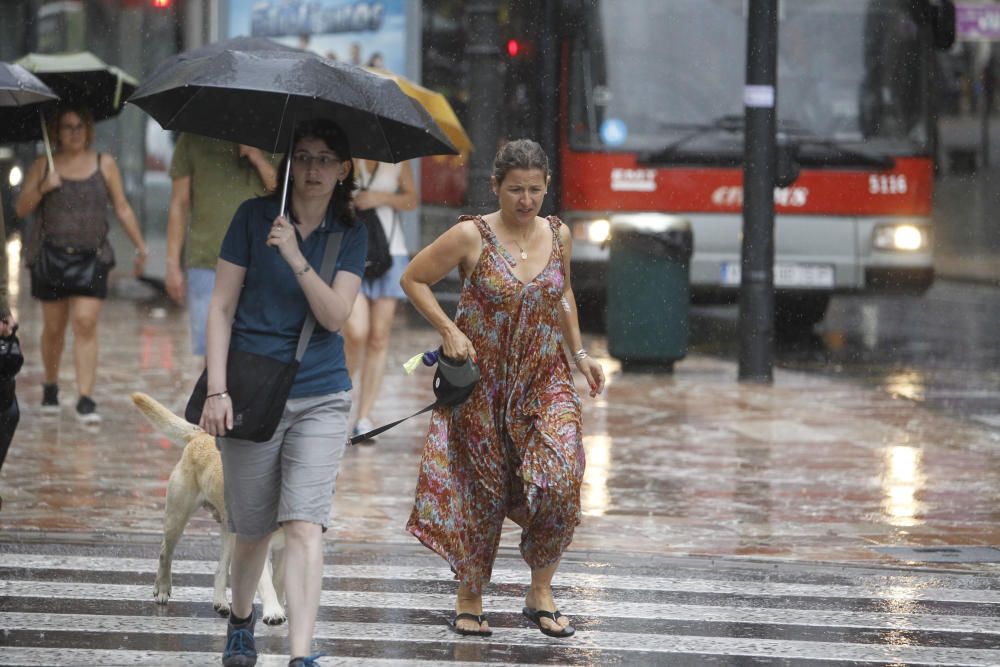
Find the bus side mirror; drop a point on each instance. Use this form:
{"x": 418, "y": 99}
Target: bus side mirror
{"x": 786, "y": 168}
{"x": 943, "y": 24}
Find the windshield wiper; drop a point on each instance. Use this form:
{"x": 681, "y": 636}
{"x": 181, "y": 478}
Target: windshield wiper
{"x": 794, "y": 144}
{"x": 826, "y": 153}
{"x": 718, "y": 157}
{"x": 672, "y": 153}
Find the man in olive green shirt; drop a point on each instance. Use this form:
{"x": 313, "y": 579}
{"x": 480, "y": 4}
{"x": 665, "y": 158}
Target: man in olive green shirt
{"x": 211, "y": 178}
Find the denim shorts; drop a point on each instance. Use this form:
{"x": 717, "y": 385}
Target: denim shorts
{"x": 292, "y": 476}
{"x": 200, "y": 283}
{"x": 387, "y": 285}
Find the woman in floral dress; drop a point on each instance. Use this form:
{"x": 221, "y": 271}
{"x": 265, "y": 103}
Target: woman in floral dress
{"x": 515, "y": 448}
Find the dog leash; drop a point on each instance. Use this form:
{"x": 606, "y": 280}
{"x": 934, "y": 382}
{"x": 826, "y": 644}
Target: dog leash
{"x": 446, "y": 373}
{"x": 382, "y": 429}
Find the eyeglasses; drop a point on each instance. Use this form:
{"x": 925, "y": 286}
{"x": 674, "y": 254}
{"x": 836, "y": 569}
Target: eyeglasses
{"x": 322, "y": 161}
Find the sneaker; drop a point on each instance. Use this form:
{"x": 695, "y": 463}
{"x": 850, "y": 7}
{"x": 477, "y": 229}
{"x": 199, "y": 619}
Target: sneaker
{"x": 363, "y": 425}
{"x": 307, "y": 661}
{"x": 50, "y": 398}
{"x": 86, "y": 410}
{"x": 241, "y": 651}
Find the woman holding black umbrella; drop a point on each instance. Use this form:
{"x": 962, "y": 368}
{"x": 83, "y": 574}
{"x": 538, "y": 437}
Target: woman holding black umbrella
{"x": 267, "y": 283}
{"x": 68, "y": 249}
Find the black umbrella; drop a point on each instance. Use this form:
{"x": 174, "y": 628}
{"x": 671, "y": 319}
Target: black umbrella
{"x": 22, "y": 96}
{"x": 83, "y": 79}
{"x": 11, "y": 360}
{"x": 256, "y": 97}
{"x": 241, "y": 43}
{"x": 20, "y": 88}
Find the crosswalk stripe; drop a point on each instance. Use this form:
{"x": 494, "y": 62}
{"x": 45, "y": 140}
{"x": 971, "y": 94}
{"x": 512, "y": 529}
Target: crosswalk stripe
{"x": 891, "y": 589}
{"x": 46, "y": 657}
{"x": 595, "y": 640}
{"x": 575, "y": 606}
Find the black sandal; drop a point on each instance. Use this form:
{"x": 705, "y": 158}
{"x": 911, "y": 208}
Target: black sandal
{"x": 536, "y": 616}
{"x": 453, "y": 624}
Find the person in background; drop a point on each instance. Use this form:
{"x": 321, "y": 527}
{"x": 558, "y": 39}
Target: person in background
{"x": 69, "y": 204}
{"x": 211, "y": 178}
{"x": 389, "y": 189}
{"x": 10, "y": 413}
{"x": 267, "y": 281}
{"x": 376, "y": 61}
{"x": 515, "y": 447}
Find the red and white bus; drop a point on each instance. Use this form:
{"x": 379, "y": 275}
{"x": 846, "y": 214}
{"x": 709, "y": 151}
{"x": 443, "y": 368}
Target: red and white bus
{"x": 641, "y": 104}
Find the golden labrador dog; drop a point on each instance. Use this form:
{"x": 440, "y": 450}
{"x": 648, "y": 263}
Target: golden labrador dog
{"x": 196, "y": 481}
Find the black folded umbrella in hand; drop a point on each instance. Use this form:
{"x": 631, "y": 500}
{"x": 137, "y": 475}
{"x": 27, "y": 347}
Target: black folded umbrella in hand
{"x": 11, "y": 360}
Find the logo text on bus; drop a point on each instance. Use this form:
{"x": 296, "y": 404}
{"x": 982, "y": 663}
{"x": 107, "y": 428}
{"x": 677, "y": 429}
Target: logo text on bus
{"x": 633, "y": 180}
{"x": 732, "y": 195}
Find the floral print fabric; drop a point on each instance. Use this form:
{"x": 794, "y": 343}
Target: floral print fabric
{"x": 515, "y": 448}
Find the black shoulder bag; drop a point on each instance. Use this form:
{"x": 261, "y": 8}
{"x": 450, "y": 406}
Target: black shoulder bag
{"x": 379, "y": 259}
{"x": 257, "y": 385}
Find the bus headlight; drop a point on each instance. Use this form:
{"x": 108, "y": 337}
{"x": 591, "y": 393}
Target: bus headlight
{"x": 907, "y": 238}
{"x": 15, "y": 176}
{"x": 593, "y": 231}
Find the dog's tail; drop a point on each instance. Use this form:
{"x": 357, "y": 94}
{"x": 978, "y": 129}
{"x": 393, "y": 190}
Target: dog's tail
{"x": 163, "y": 419}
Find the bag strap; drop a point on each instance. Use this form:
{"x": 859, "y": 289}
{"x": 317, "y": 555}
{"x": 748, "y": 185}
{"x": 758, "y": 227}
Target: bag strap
{"x": 330, "y": 252}
{"x": 395, "y": 223}
{"x": 371, "y": 176}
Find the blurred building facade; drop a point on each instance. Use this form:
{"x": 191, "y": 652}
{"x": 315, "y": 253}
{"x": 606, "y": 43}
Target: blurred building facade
{"x": 137, "y": 34}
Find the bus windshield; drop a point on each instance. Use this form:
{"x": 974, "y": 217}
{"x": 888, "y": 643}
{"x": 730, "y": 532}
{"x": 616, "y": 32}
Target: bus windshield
{"x": 646, "y": 72}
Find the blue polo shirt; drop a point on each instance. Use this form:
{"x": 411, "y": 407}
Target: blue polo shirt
{"x": 272, "y": 307}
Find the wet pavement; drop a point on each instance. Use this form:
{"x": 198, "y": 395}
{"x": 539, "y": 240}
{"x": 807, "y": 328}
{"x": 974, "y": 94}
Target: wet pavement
{"x": 705, "y": 501}
{"x": 936, "y": 349}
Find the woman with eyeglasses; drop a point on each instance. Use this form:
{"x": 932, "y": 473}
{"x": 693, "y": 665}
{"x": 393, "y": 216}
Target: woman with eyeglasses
{"x": 267, "y": 282}
{"x": 68, "y": 251}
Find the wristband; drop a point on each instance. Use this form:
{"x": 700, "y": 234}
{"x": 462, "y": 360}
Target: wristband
{"x": 221, "y": 394}
{"x": 579, "y": 355}
{"x": 304, "y": 271}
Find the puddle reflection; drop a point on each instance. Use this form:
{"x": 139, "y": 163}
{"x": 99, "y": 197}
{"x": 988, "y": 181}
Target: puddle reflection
{"x": 595, "y": 497}
{"x": 909, "y": 383}
{"x": 902, "y": 481}
{"x": 13, "y": 251}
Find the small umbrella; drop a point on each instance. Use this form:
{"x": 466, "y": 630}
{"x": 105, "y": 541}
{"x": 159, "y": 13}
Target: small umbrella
{"x": 83, "y": 79}
{"x": 436, "y": 105}
{"x": 22, "y": 98}
{"x": 256, "y": 97}
{"x": 21, "y": 88}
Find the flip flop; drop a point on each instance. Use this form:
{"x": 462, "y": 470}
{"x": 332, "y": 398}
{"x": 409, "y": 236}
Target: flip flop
{"x": 453, "y": 624}
{"x": 536, "y": 616}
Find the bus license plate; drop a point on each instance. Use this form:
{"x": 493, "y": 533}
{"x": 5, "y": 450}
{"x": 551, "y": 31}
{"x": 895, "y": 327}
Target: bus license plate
{"x": 786, "y": 275}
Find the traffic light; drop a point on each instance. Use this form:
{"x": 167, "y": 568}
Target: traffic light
{"x": 519, "y": 49}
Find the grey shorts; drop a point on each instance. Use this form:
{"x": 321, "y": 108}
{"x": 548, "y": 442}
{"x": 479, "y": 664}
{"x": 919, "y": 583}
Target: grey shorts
{"x": 290, "y": 477}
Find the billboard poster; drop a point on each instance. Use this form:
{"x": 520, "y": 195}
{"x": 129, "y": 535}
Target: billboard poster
{"x": 361, "y": 32}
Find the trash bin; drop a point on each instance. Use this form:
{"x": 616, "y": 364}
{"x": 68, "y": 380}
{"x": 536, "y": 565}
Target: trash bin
{"x": 649, "y": 293}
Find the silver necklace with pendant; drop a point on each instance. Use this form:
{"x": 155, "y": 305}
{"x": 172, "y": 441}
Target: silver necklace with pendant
{"x": 524, "y": 255}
